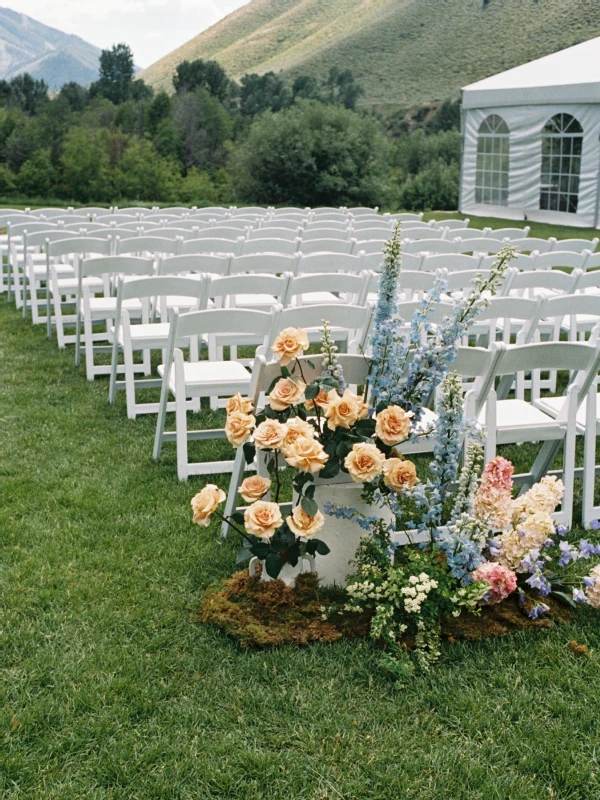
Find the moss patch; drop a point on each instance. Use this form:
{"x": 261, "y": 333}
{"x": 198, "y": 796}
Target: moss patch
{"x": 265, "y": 613}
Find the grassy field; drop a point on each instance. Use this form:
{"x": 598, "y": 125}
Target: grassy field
{"x": 402, "y": 51}
{"x": 112, "y": 690}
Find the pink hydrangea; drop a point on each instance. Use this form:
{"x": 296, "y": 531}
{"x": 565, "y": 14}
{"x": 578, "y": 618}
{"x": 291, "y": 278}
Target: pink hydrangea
{"x": 501, "y": 579}
{"x": 498, "y": 473}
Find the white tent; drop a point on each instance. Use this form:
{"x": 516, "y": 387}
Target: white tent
{"x": 531, "y": 147}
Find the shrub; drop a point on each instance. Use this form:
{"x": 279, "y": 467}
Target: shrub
{"x": 435, "y": 188}
{"x": 37, "y": 176}
{"x": 312, "y": 154}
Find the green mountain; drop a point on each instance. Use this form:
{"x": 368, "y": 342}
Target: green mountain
{"x": 29, "y": 46}
{"x": 401, "y": 50}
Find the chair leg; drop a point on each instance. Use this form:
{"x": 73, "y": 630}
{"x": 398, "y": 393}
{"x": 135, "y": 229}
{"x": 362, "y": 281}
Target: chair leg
{"x": 490, "y": 427}
{"x": 237, "y": 474}
{"x": 162, "y": 412}
{"x": 88, "y": 342}
{"x": 590, "y": 511}
{"x": 180, "y": 417}
{"x": 129, "y": 374}
{"x": 57, "y": 302}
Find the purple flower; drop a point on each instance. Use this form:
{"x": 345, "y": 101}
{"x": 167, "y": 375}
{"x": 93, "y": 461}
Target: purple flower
{"x": 579, "y": 596}
{"x": 562, "y": 530}
{"x": 595, "y": 525}
{"x": 586, "y": 549}
{"x": 589, "y": 581}
{"x": 567, "y": 554}
{"x": 538, "y": 610}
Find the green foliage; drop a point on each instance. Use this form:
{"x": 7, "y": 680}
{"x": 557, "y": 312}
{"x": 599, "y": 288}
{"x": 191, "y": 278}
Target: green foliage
{"x": 77, "y": 96}
{"x": 116, "y": 74}
{"x": 312, "y": 153}
{"x": 137, "y": 182}
{"x": 260, "y": 93}
{"x": 200, "y": 187}
{"x": 20, "y": 144}
{"x": 447, "y": 117}
{"x": 27, "y": 94}
{"x": 342, "y": 88}
{"x": 435, "y": 187}
{"x": 86, "y": 165}
{"x": 207, "y": 75}
{"x": 204, "y": 126}
{"x": 7, "y": 181}
{"x": 37, "y": 176}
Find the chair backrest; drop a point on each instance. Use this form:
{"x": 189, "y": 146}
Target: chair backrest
{"x": 40, "y": 238}
{"x": 470, "y": 233}
{"x": 244, "y": 210}
{"x": 522, "y": 262}
{"x": 452, "y": 262}
{"x": 225, "y": 320}
{"x": 278, "y": 223}
{"x": 174, "y": 210}
{"x": 478, "y": 363}
{"x": 365, "y": 225}
{"x": 426, "y": 246}
{"x": 588, "y": 280}
{"x": 273, "y": 263}
{"x": 354, "y": 367}
{"x": 160, "y": 286}
{"x": 555, "y": 280}
{"x": 576, "y": 245}
{"x": 15, "y": 217}
{"x": 592, "y": 262}
{"x": 220, "y": 232}
{"x": 88, "y": 227}
{"x": 187, "y": 224}
{"x": 327, "y": 246}
{"x": 50, "y": 213}
{"x": 352, "y": 288}
{"x": 18, "y": 228}
{"x": 361, "y": 210}
{"x": 572, "y": 305}
{"x": 269, "y": 245}
{"x": 70, "y": 218}
{"x": 199, "y": 263}
{"x": 119, "y": 265}
{"x": 226, "y": 289}
{"x": 426, "y": 232}
{"x": 77, "y": 246}
{"x": 532, "y": 243}
{"x": 329, "y": 262}
{"x": 407, "y": 308}
{"x": 478, "y": 245}
{"x": 404, "y": 216}
{"x": 332, "y": 224}
{"x": 509, "y": 233}
{"x": 348, "y": 317}
{"x": 509, "y": 309}
{"x": 275, "y": 233}
{"x": 560, "y": 258}
{"x": 148, "y": 244}
{"x": 451, "y": 224}
{"x": 313, "y": 234}
{"x": 461, "y": 280}
{"x": 116, "y": 218}
{"x": 210, "y": 245}
{"x": 94, "y": 211}
{"x": 174, "y": 233}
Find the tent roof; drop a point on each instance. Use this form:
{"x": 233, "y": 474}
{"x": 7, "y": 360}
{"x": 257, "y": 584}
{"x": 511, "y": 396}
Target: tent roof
{"x": 569, "y": 76}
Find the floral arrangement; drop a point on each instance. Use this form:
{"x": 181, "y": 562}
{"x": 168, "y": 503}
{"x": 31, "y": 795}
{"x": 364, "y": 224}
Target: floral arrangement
{"x": 478, "y": 545}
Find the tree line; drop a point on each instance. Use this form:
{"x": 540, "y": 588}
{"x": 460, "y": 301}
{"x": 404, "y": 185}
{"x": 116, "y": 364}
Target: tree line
{"x": 214, "y": 140}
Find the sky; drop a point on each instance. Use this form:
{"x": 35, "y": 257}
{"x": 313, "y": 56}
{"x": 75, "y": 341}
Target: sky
{"x": 152, "y": 28}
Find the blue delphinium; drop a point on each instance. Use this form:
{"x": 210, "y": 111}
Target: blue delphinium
{"x": 448, "y": 435}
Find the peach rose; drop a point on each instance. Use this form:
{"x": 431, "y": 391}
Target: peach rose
{"x": 392, "y": 425}
{"x": 364, "y": 462}
{"x": 239, "y": 427}
{"x": 306, "y": 454}
{"x": 205, "y": 503}
{"x": 294, "y": 428}
{"x": 286, "y": 393}
{"x": 321, "y": 400}
{"x": 302, "y": 524}
{"x": 254, "y": 487}
{"x": 399, "y": 474}
{"x": 290, "y": 344}
{"x": 239, "y": 403}
{"x": 262, "y": 519}
{"x": 343, "y": 412}
{"x": 269, "y": 435}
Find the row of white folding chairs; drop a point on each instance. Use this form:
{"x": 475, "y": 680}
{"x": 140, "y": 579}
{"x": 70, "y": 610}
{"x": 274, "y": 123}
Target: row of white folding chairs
{"x": 458, "y": 246}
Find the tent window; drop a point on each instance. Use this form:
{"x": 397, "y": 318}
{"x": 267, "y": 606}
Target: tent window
{"x": 491, "y": 180}
{"x": 562, "y": 143}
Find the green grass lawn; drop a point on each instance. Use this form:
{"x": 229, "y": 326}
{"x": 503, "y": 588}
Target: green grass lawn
{"x": 112, "y": 690}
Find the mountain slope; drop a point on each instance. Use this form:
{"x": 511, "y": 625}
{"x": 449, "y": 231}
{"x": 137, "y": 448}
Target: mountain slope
{"x": 29, "y": 46}
{"x": 401, "y": 50}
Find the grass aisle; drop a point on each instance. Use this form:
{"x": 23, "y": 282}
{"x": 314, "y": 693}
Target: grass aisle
{"x": 111, "y": 690}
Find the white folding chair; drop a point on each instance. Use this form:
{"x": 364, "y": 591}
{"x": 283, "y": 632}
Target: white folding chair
{"x": 93, "y": 308}
{"x": 326, "y": 234}
{"x": 148, "y": 335}
{"x": 327, "y": 287}
{"x": 504, "y": 234}
{"x": 451, "y": 262}
{"x": 194, "y": 264}
{"x": 425, "y": 246}
{"x": 211, "y": 245}
{"x": 329, "y": 262}
{"x": 70, "y": 287}
{"x": 145, "y": 246}
{"x": 204, "y": 378}
{"x": 264, "y": 263}
{"x": 477, "y": 245}
{"x": 349, "y": 323}
{"x": 576, "y": 245}
{"x": 561, "y": 259}
{"x": 514, "y": 420}
{"x": 276, "y": 233}
{"x": 531, "y": 243}
{"x": 327, "y": 246}
{"x": 268, "y": 245}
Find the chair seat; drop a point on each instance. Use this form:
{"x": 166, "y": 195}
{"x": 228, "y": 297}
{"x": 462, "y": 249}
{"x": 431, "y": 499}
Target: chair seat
{"x": 147, "y": 335}
{"x": 210, "y": 377}
{"x": 66, "y": 270}
{"x": 552, "y": 405}
{"x": 108, "y": 305}
{"x": 181, "y": 302}
{"x": 70, "y": 284}
{"x": 519, "y": 421}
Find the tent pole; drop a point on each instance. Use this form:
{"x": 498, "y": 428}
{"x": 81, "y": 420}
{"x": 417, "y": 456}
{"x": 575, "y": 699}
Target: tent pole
{"x": 597, "y": 215}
